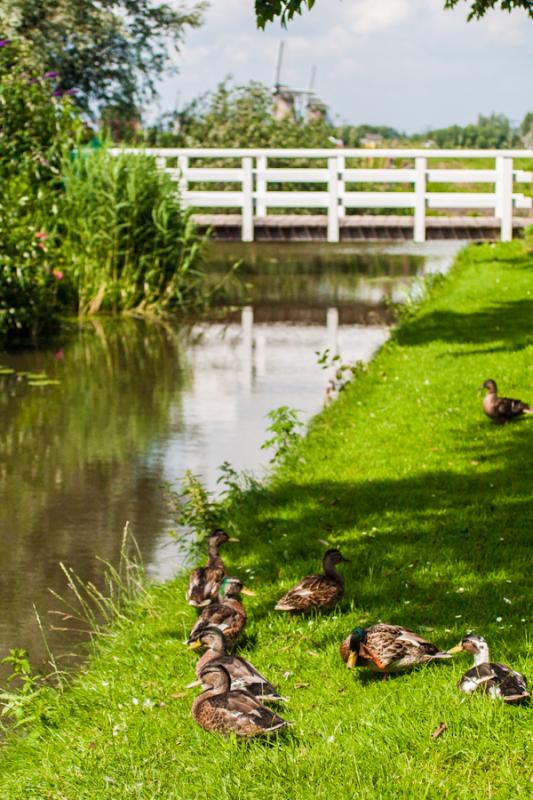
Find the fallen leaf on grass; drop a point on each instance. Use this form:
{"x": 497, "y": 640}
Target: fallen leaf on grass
{"x": 301, "y": 685}
{"x": 178, "y": 695}
{"x": 439, "y": 730}
{"x": 311, "y": 653}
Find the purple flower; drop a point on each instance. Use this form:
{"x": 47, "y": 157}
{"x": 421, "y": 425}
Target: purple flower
{"x": 51, "y": 74}
{"x": 3, "y": 42}
{"x": 71, "y": 92}
{"x": 57, "y": 93}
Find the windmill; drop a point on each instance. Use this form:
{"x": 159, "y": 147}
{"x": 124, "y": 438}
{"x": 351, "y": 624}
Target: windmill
{"x": 291, "y": 103}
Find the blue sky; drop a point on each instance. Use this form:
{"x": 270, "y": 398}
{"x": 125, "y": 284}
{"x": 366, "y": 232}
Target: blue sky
{"x": 407, "y": 63}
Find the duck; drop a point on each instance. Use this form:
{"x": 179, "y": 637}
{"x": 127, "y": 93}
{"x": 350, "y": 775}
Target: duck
{"x": 227, "y": 613}
{"x": 502, "y": 409}
{"x": 204, "y": 582}
{"x": 317, "y": 591}
{"x": 388, "y": 648}
{"x": 221, "y": 709}
{"x": 497, "y": 680}
{"x": 243, "y": 675}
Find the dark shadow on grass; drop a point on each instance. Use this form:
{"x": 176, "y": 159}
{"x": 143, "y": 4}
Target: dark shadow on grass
{"x": 477, "y": 525}
{"x": 509, "y": 322}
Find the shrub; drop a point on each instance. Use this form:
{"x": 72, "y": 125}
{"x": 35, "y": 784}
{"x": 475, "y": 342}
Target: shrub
{"x": 35, "y": 127}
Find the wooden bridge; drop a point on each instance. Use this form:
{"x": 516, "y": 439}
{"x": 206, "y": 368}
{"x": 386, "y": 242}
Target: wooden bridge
{"x": 250, "y": 185}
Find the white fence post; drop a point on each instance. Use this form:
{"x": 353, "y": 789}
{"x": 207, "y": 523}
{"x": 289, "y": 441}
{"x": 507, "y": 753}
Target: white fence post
{"x": 183, "y": 184}
{"x": 261, "y": 187}
{"x": 420, "y": 199}
{"x": 333, "y": 204}
{"x": 160, "y": 162}
{"x": 341, "y": 164}
{"x": 504, "y": 196}
{"x": 248, "y": 200}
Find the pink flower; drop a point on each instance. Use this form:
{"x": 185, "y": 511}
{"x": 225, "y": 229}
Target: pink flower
{"x": 41, "y": 235}
{"x": 58, "y": 275}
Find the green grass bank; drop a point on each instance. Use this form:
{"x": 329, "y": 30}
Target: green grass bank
{"x": 434, "y": 506}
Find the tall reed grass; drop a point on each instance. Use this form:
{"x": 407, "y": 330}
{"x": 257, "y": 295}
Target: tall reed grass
{"x": 126, "y": 243}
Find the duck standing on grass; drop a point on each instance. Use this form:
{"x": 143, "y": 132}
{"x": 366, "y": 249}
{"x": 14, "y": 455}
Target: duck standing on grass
{"x": 227, "y": 614}
{"x": 243, "y": 675}
{"x": 496, "y": 680}
{"x": 388, "y": 648}
{"x": 502, "y": 409}
{"x": 204, "y": 582}
{"x": 317, "y": 591}
{"x": 224, "y": 710}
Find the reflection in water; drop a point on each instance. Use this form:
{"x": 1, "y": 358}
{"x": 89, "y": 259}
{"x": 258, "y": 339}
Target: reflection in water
{"x": 138, "y": 404}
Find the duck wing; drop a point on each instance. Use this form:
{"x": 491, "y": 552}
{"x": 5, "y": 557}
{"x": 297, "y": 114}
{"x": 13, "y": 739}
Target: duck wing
{"x": 245, "y": 676}
{"x": 230, "y": 619}
{"x": 204, "y": 584}
{"x": 250, "y": 716}
{"x": 497, "y": 680}
{"x": 393, "y": 646}
{"x": 311, "y": 592}
{"x": 507, "y": 408}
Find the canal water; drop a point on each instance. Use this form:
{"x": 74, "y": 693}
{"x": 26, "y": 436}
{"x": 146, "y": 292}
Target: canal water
{"x": 134, "y": 404}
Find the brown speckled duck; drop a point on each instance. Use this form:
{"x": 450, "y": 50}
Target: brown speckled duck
{"x": 388, "y": 648}
{"x": 316, "y": 591}
{"x": 496, "y": 680}
{"x": 227, "y": 614}
{"x": 243, "y": 675}
{"x": 223, "y": 710}
{"x": 502, "y": 409}
{"x": 204, "y": 582}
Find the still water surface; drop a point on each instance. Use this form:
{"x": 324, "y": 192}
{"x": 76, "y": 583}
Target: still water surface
{"x": 137, "y": 404}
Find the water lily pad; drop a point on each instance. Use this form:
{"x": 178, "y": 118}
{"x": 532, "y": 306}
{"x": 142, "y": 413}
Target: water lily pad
{"x": 44, "y": 382}
{"x": 6, "y": 371}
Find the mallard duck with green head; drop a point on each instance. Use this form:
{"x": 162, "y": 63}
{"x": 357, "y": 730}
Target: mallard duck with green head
{"x": 227, "y": 614}
{"x": 496, "y": 680}
{"x": 317, "y": 591}
{"x": 204, "y": 582}
{"x": 221, "y": 709}
{"x": 388, "y": 648}
{"x": 243, "y": 675}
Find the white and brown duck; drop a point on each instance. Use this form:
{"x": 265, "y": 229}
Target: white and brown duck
{"x": 227, "y": 614}
{"x": 388, "y": 648}
{"x": 497, "y": 680}
{"x": 220, "y": 709}
{"x": 243, "y": 675}
{"x": 502, "y": 409}
{"x": 316, "y": 591}
{"x": 204, "y": 582}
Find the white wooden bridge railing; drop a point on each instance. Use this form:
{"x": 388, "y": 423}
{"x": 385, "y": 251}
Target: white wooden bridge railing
{"x": 248, "y": 184}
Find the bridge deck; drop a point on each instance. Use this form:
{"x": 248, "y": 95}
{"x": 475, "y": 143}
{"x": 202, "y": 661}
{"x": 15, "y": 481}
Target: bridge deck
{"x": 354, "y": 228}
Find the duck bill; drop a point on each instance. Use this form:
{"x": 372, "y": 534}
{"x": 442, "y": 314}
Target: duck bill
{"x": 248, "y": 592}
{"x": 194, "y": 645}
{"x": 457, "y": 649}
{"x": 352, "y": 660}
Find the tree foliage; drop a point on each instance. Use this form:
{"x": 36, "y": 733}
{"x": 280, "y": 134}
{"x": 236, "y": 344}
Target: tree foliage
{"x": 492, "y": 131}
{"x": 111, "y": 51}
{"x": 238, "y": 116}
{"x": 285, "y": 10}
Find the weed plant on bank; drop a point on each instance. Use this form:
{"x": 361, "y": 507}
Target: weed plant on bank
{"x": 125, "y": 239}
{"x": 433, "y": 504}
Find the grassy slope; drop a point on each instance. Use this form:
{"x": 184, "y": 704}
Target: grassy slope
{"x": 433, "y": 504}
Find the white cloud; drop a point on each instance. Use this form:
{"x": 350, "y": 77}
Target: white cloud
{"x": 371, "y": 16}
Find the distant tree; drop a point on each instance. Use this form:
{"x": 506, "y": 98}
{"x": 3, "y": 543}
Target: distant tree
{"x": 285, "y": 10}
{"x": 111, "y": 51}
{"x": 492, "y": 131}
{"x": 526, "y": 130}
